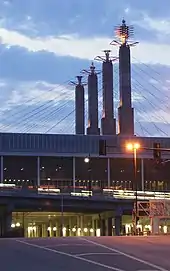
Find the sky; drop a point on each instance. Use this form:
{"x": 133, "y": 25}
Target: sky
{"x": 45, "y": 44}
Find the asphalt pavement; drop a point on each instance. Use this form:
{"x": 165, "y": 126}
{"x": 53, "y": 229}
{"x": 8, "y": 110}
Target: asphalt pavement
{"x": 86, "y": 253}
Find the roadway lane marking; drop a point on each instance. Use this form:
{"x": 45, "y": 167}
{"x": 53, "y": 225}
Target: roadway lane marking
{"x": 70, "y": 255}
{"x": 158, "y": 268}
{"x": 97, "y": 253}
{"x": 66, "y": 245}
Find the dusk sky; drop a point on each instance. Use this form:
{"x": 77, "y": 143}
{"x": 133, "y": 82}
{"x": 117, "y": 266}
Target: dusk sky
{"x": 45, "y": 43}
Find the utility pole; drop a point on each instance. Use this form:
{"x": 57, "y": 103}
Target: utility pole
{"x": 62, "y": 215}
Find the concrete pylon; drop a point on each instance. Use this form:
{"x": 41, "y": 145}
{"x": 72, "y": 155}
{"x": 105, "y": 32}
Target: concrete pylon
{"x": 155, "y": 225}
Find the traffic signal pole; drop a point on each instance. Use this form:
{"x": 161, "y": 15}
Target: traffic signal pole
{"x": 157, "y": 151}
{"x": 156, "y": 148}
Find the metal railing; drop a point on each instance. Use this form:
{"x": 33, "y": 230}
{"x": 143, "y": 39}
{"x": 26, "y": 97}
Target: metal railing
{"x": 106, "y": 193}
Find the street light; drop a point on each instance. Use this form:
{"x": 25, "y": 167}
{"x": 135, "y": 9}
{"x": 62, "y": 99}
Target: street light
{"x": 62, "y": 215}
{"x": 134, "y": 147}
{"x": 87, "y": 161}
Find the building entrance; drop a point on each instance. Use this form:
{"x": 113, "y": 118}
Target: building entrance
{"x": 54, "y": 224}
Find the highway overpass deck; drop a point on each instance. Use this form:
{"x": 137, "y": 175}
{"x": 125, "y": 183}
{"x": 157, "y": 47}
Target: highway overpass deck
{"x": 33, "y": 201}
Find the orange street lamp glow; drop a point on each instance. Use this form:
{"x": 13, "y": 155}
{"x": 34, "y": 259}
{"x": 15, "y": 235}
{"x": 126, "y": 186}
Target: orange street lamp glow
{"x": 132, "y": 146}
{"x": 136, "y": 146}
{"x": 129, "y": 146}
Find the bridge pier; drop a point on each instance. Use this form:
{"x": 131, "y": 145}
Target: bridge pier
{"x": 155, "y": 225}
{"x": 102, "y": 227}
{"x": 118, "y": 220}
{"x": 81, "y": 224}
{"x": 118, "y": 225}
{"x": 109, "y": 226}
{"x": 106, "y": 226}
{"x": 94, "y": 226}
{"x": 5, "y": 220}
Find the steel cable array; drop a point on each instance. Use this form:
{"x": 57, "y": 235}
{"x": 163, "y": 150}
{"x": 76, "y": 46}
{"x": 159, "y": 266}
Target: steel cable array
{"x": 71, "y": 114}
{"x": 140, "y": 91}
{"x": 50, "y": 112}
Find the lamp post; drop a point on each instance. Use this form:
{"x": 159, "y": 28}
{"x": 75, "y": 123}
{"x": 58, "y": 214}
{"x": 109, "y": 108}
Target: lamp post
{"x": 87, "y": 161}
{"x": 135, "y": 147}
{"x": 62, "y": 215}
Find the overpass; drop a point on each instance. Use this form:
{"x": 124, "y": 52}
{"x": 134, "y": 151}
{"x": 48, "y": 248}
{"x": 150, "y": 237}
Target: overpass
{"x": 107, "y": 210}
{"x": 99, "y": 208}
{"x": 30, "y": 201}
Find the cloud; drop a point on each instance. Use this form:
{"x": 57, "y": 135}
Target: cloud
{"x": 74, "y": 46}
{"x": 47, "y": 18}
{"x": 30, "y": 106}
{"x": 157, "y": 27}
{"x": 25, "y": 94}
{"x": 38, "y": 53}
{"x": 20, "y": 64}
{"x": 34, "y": 106}
{"x": 7, "y": 3}
{"x": 127, "y": 10}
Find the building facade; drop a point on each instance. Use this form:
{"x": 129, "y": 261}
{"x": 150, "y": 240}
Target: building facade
{"x": 59, "y": 160}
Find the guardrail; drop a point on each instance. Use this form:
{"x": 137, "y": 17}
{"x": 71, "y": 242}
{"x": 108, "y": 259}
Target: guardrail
{"x": 106, "y": 193}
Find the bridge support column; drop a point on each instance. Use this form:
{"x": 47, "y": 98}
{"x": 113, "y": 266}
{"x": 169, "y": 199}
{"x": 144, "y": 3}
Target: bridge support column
{"x": 82, "y": 225}
{"x": 155, "y": 225}
{"x": 79, "y": 225}
{"x": 109, "y": 226}
{"x": 142, "y": 175}
{"x": 44, "y": 230}
{"x": 70, "y": 226}
{"x": 40, "y": 234}
{"x": 5, "y": 221}
{"x": 74, "y": 174}
{"x": 51, "y": 231}
{"x": 94, "y": 226}
{"x": 108, "y": 172}
{"x": 38, "y": 172}
{"x": 56, "y": 230}
{"x": 97, "y": 227}
{"x": 2, "y": 169}
{"x": 118, "y": 225}
{"x": 103, "y": 227}
{"x": 67, "y": 229}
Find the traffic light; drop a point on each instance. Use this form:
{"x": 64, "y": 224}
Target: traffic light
{"x": 157, "y": 151}
{"x": 102, "y": 147}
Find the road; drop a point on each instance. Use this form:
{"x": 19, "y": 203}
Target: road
{"x": 86, "y": 253}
